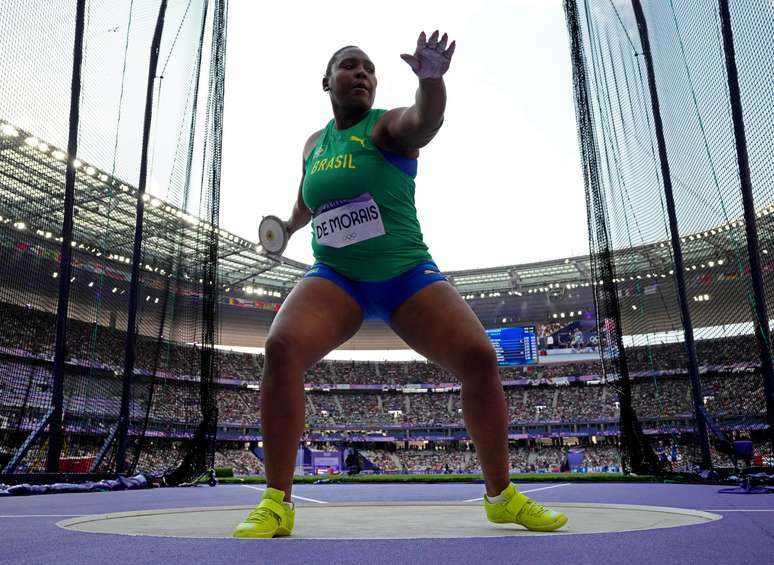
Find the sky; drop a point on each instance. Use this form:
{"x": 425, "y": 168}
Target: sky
{"x": 500, "y": 184}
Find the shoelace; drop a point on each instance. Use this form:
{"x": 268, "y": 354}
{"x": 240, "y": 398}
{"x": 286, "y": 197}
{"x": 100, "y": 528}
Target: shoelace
{"x": 260, "y": 514}
{"x": 534, "y": 509}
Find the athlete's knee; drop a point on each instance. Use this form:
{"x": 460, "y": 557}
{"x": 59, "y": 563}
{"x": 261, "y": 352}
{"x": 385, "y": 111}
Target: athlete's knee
{"x": 279, "y": 352}
{"x": 477, "y": 360}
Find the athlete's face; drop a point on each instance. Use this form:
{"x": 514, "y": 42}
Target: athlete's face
{"x": 352, "y": 82}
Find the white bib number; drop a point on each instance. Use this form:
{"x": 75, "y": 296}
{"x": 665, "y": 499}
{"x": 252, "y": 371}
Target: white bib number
{"x": 349, "y": 222}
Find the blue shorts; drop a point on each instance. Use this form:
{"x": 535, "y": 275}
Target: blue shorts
{"x": 380, "y": 299}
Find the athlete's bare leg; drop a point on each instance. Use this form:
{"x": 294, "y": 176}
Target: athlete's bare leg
{"x": 437, "y": 323}
{"x": 316, "y": 317}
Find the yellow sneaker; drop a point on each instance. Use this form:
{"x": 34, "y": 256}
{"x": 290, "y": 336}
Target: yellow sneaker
{"x": 270, "y": 518}
{"x": 520, "y": 509}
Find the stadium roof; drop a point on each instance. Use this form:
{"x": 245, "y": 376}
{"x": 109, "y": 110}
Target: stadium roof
{"x": 32, "y": 189}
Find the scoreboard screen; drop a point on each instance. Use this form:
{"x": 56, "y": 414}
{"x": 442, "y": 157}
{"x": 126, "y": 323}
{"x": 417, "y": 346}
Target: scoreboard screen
{"x": 515, "y": 346}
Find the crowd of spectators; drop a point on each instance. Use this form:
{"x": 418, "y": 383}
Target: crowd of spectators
{"x": 156, "y": 458}
{"x": 90, "y": 344}
{"x": 93, "y": 389}
{"x": 735, "y": 394}
{"x": 522, "y": 459}
{"x": 242, "y": 461}
{"x": 29, "y": 389}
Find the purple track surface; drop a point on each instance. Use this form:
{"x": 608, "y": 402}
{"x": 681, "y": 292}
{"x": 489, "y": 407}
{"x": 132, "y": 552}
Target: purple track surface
{"x": 28, "y": 531}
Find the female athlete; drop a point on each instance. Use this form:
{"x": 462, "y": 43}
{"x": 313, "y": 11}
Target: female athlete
{"x": 357, "y": 189}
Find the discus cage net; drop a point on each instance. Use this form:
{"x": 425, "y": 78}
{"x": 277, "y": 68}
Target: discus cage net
{"x": 110, "y": 135}
{"x": 675, "y": 123}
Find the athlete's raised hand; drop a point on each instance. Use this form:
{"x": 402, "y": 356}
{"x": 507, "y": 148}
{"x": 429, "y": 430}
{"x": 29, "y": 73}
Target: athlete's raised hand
{"x": 431, "y": 58}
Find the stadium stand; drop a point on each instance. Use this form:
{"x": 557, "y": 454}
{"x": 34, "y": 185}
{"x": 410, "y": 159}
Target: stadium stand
{"x": 572, "y": 399}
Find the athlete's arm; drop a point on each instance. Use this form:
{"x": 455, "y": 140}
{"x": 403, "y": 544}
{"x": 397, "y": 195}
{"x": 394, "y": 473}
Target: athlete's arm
{"x": 301, "y": 215}
{"x": 408, "y": 129}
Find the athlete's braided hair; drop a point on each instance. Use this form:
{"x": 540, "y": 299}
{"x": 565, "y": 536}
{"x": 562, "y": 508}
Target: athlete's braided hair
{"x": 333, "y": 58}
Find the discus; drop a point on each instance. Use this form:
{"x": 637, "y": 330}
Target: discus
{"x": 273, "y": 235}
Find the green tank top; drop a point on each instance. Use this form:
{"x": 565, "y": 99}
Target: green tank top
{"x": 364, "y": 221}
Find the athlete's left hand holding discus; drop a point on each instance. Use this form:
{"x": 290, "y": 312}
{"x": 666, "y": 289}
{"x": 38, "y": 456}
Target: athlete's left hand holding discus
{"x": 371, "y": 262}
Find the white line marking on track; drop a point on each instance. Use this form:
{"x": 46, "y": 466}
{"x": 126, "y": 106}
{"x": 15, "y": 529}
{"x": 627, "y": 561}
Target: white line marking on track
{"x": 38, "y": 515}
{"x": 524, "y": 491}
{"x": 292, "y": 495}
{"x": 741, "y": 510}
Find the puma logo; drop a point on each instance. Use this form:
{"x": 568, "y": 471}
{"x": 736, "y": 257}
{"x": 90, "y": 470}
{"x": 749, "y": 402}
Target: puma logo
{"x": 358, "y": 139}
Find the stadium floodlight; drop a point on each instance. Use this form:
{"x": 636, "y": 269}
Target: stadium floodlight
{"x": 155, "y": 202}
{"x": 59, "y": 155}
{"x": 9, "y": 130}
{"x": 32, "y": 141}
{"x": 43, "y": 147}
{"x": 77, "y": 164}
{"x": 103, "y": 177}
{"x": 145, "y": 197}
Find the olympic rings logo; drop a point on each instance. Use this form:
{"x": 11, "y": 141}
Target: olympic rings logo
{"x": 350, "y": 236}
